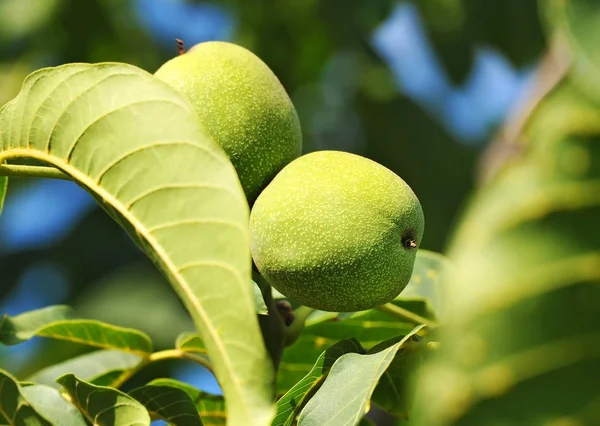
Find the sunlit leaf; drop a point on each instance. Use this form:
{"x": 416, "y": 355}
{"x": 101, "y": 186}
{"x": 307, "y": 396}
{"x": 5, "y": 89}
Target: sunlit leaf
{"x": 344, "y": 398}
{"x": 102, "y": 367}
{"x": 190, "y": 342}
{"x": 168, "y": 403}
{"x": 138, "y": 147}
{"x": 210, "y": 407}
{"x": 15, "y": 410}
{"x": 368, "y": 327}
{"x": 395, "y": 391}
{"x": 61, "y": 322}
{"x": 520, "y": 345}
{"x": 48, "y": 402}
{"x": 290, "y": 404}
{"x": 427, "y": 280}
{"x": 104, "y": 406}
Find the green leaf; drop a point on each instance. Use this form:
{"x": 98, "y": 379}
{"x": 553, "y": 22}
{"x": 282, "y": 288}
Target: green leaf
{"x": 3, "y": 187}
{"x": 290, "y": 404}
{"x": 61, "y": 322}
{"x": 138, "y": 147}
{"x": 190, "y": 342}
{"x": 104, "y": 406}
{"x": 368, "y": 327}
{"x": 15, "y": 410}
{"x": 579, "y": 22}
{"x": 48, "y": 402}
{"x": 428, "y": 280}
{"x": 101, "y": 367}
{"x": 395, "y": 390}
{"x": 344, "y": 397}
{"x": 168, "y": 403}
{"x": 520, "y": 344}
{"x": 210, "y": 407}
{"x": 261, "y": 307}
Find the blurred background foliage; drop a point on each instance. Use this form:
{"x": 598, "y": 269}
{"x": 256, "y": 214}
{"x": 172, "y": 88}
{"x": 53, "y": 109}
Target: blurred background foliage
{"x": 419, "y": 86}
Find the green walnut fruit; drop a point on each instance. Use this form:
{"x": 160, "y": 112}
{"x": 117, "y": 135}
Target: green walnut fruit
{"x": 337, "y": 232}
{"x": 243, "y": 107}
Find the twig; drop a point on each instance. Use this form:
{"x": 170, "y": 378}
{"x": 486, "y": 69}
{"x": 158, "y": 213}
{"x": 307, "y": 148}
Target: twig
{"x": 161, "y": 356}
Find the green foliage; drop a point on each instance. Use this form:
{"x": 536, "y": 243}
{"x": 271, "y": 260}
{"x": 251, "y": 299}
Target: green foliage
{"x": 523, "y": 316}
{"x": 61, "y": 322}
{"x": 345, "y": 395}
{"x": 577, "y": 21}
{"x": 502, "y": 332}
{"x": 104, "y": 406}
{"x": 130, "y": 173}
{"x": 14, "y": 408}
{"x": 211, "y": 408}
{"x": 104, "y": 367}
{"x": 190, "y": 342}
{"x": 290, "y": 404}
{"x": 168, "y": 403}
{"x": 49, "y": 403}
{"x": 530, "y": 331}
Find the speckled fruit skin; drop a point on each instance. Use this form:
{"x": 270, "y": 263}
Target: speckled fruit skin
{"x": 242, "y": 105}
{"x": 333, "y": 231}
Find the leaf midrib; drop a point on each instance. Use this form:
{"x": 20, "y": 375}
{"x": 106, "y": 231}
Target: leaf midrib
{"x": 114, "y": 203}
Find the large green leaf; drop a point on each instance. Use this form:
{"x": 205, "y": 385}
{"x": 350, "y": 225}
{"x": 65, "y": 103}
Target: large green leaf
{"x": 49, "y": 402}
{"x": 168, "y": 403}
{"x": 344, "y": 398}
{"x": 61, "y": 322}
{"x": 521, "y": 344}
{"x": 210, "y": 407}
{"x": 290, "y": 404}
{"x": 138, "y": 147}
{"x": 103, "y": 367}
{"x": 104, "y": 406}
{"x": 15, "y": 410}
